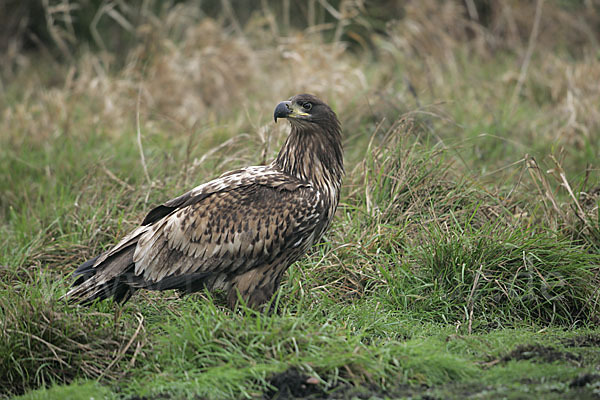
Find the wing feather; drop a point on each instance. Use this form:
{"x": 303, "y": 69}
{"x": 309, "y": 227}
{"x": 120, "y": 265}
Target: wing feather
{"x": 245, "y": 219}
{"x": 237, "y": 222}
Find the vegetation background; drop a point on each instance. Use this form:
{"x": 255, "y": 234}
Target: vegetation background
{"x": 465, "y": 257}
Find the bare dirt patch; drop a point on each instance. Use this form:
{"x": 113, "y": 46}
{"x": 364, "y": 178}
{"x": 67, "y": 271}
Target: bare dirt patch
{"x": 294, "y": 384}
{"x": 589, "y": 340}
{"x": 541, "y": 353}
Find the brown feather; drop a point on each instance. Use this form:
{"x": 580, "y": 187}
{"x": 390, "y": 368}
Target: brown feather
{"x": 239, "y": 232}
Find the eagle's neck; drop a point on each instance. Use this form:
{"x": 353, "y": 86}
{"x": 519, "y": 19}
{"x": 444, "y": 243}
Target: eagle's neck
{"x": 313, "y": 153}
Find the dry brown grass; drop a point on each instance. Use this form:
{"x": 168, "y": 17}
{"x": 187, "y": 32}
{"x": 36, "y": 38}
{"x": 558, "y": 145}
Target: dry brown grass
{"x": 192, "y": 73}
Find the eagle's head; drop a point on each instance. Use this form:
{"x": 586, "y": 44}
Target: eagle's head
{"x": 313, "y": 149}
{"x": 304, "y": 110}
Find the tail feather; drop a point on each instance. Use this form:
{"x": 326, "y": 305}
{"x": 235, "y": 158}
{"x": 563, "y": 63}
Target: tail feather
{"x": 110, "y": 278}
{"x": 92, "y": 290}
{"x": 113, "y": 275}
{"x": 85, "y": 271}
{"x": 86, "y": 267}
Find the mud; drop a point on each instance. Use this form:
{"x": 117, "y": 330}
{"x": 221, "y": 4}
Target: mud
{"x": 584, "y": 380}
{"x": 295, "y": 385}
{"x": 540, "y": 353}
{"x": 589, "y": 340}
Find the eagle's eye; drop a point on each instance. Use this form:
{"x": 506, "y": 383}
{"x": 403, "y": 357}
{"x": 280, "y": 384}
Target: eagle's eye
{"x": 307, "y": 106}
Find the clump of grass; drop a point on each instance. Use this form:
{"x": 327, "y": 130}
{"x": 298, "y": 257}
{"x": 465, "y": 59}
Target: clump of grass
{"x": 469, "y": 250}
{"x": 426, "y": 241}
{"x": 75, "y": 390}
{"x": 498, "y": 277}
{"x": 42, "y": 341}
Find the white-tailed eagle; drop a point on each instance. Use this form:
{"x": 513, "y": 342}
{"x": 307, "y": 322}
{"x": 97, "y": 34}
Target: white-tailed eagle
{"x": 237, "y": 233}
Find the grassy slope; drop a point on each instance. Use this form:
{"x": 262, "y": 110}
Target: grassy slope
{"x": 456, "y": 265}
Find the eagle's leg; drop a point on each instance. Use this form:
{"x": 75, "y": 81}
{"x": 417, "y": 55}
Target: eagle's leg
{"x": 256, "y": 287}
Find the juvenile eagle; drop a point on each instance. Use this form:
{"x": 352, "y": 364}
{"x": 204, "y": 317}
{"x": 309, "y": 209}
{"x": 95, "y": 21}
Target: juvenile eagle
{"x": 237, "y": 233}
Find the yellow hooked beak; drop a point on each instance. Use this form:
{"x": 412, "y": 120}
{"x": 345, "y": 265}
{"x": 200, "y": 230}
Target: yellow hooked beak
{"x": 286, "y": 109}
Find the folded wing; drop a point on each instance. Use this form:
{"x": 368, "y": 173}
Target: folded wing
{"x": 213, "y": 236}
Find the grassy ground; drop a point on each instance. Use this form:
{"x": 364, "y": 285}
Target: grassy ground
{"x": 465, "y": 257}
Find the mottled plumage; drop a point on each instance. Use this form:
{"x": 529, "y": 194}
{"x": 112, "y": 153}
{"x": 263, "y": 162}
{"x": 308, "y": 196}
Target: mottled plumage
{"x": 239, "y": 232}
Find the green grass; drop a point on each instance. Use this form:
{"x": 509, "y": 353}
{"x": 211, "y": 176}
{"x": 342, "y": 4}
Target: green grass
{"x": 84, "y": 390}
{"x": 464, "y": 259}
{"x": 393, "y": 297}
